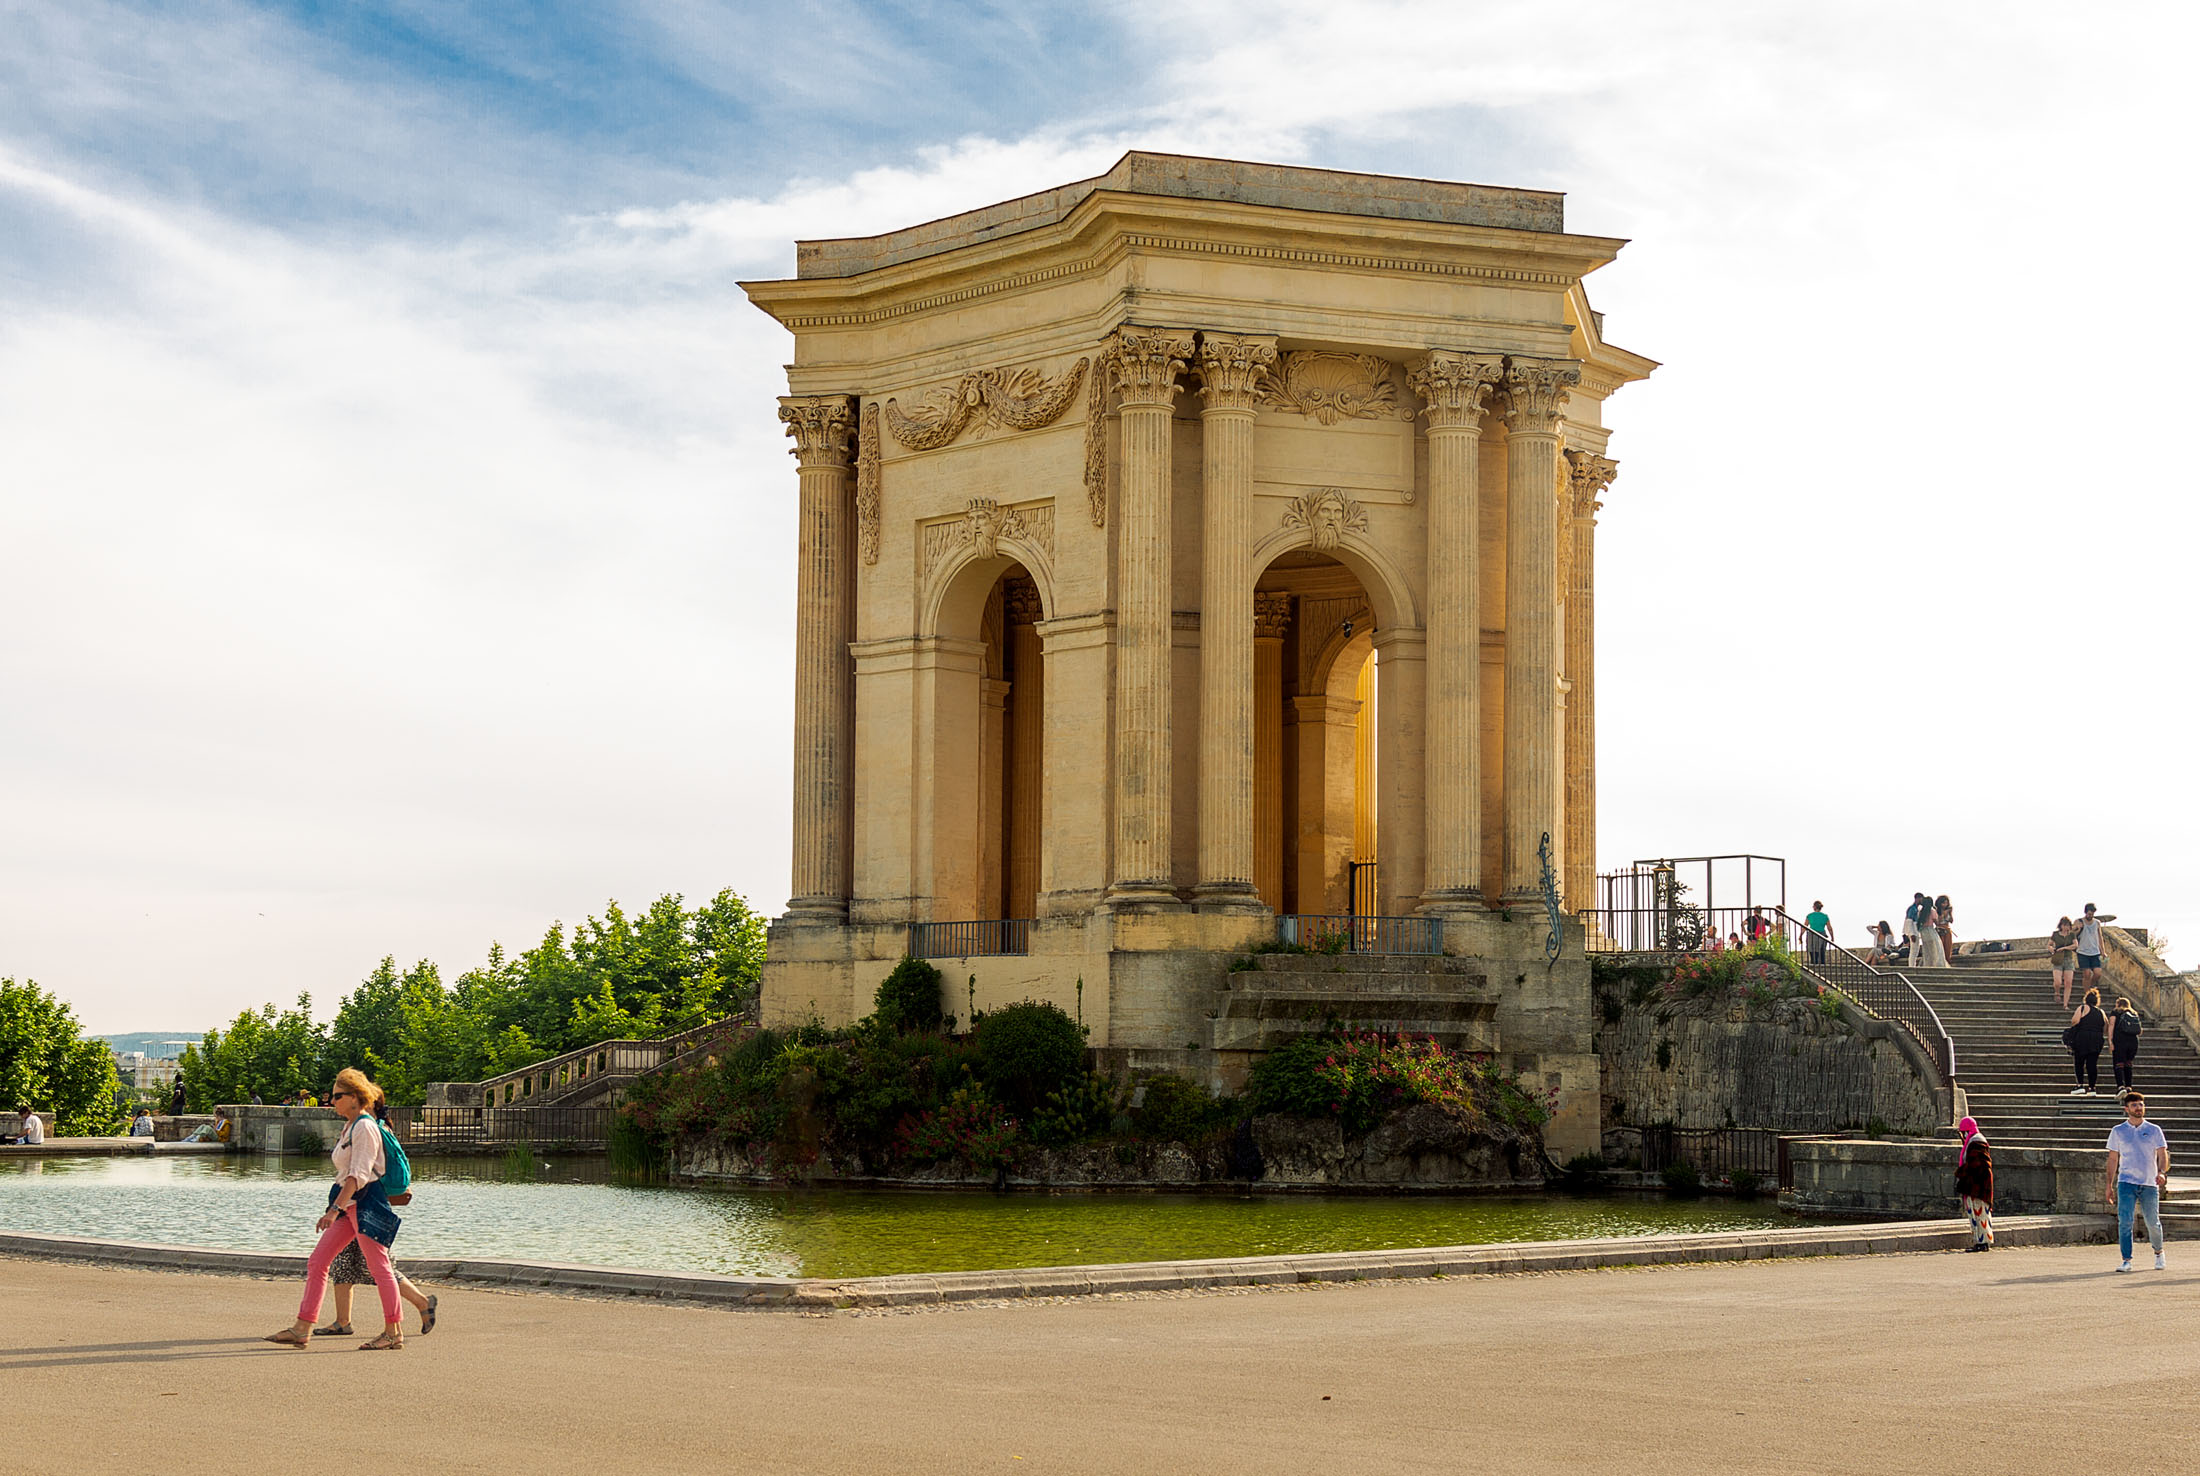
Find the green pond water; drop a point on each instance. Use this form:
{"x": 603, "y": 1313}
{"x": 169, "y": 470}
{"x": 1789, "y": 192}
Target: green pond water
{"x": 573, "y": 1212}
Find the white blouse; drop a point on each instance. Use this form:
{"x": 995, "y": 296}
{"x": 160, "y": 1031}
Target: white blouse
{"x": 358, "y": 1151}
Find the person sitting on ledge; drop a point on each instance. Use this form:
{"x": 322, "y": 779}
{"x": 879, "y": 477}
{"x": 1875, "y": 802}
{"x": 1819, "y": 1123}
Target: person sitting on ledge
{"x": 142, "y": 1125}
{"x": 30, "y": 1130}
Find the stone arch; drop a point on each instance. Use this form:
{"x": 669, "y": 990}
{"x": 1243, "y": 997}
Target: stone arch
{"x": 1389, "y": 593}
{"x": 951, "y": 599}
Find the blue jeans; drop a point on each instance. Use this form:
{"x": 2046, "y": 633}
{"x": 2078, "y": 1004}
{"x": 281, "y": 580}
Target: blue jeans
{"x": 2144, "y": 1197}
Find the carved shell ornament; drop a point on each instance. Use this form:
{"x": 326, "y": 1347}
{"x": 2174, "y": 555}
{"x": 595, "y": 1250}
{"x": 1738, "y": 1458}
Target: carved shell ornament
{"x": 1327, "y": 516}
{"x": 1331, "y": 387}
{"x": 1019, "y": 399}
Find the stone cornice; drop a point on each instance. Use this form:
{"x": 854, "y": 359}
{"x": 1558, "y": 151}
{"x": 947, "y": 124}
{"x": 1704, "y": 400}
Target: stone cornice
{"x": 1108, "y": 225}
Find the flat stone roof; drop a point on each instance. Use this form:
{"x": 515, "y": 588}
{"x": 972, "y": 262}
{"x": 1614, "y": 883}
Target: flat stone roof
{"x": 1183, "y": 177}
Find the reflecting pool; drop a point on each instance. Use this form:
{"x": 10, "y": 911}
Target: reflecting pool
{"x": 571, "y": 1211}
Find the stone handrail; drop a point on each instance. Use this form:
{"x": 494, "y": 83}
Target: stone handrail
{"x": 547, "y": 1081}
{"x": 2133, "y": 969}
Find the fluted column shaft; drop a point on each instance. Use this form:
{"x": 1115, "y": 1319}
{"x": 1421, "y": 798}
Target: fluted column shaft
{"x": 824, "y": 677}
{"x": 1026, "y": 740}
{"x": 1455, "y": 390}
{"x": 1145, "y": 364}
{"x": 1230, "y": 369}
{"x": 1590, "y": 476}
{"x": 1535, "y": 397}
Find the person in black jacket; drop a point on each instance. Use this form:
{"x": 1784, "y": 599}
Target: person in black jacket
{"x": 1975, "y": 1183}
{"x": 2088, "y": 1029}
{"x": 2123, "y": 1042}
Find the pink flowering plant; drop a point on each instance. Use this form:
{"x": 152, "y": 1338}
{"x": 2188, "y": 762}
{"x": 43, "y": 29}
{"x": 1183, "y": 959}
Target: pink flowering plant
{"x": 969, "y": 1126}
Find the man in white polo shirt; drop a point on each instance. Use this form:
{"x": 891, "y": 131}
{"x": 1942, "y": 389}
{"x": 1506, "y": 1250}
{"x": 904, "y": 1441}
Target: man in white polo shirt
{"x": 2138, "y": 1167}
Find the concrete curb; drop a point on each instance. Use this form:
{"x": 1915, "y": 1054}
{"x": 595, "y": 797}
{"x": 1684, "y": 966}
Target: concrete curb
{"x": 1143, "y": 1276}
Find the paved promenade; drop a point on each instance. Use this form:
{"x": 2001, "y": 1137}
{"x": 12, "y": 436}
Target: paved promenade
{"x": 2024, "y": 1360}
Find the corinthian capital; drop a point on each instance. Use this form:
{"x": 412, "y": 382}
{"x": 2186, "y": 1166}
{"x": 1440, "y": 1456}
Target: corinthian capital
{"x": 1589, "y": 474}
{"x": 1231, "y": 368}
{"x": 1535, "y": 393}
{"x": 1146, "y": 362}
{"x": 822, "y": 427}
{"x": 1455, "y": 388}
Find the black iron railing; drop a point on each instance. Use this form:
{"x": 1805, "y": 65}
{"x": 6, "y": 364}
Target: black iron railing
{"x": 1717, "y": 1153}
{"x": 493, "y": 1129}
{"x": 979, "y": 938}
{"x": 1329, "y": 933}
{"x": 1885, "y": 992}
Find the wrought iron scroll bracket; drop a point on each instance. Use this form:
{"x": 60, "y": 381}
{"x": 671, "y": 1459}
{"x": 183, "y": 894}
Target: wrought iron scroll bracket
{"x": 1557, "y": 939}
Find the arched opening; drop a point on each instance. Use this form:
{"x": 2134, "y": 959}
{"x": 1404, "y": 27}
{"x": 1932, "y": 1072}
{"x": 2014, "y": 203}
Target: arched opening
{"x": 986, "y": 819}
{"x": 1316, "y": 807}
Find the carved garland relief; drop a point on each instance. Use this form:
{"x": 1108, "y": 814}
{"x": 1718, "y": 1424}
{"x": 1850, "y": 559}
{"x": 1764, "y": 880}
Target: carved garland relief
{"x": 1021, "y": 399}
{"x": 867, "y": 483}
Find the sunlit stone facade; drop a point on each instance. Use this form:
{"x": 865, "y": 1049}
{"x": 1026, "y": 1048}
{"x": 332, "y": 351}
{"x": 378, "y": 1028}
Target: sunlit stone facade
{"x": 1185, "y": 546}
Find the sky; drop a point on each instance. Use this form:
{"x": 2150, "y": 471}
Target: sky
{"x": 396, "y": 535}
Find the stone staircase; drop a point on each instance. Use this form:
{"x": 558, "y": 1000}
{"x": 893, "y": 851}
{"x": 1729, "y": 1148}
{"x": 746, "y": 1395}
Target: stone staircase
{"x": 1286, "y": 995}
{"x": 2000, "y": 1009}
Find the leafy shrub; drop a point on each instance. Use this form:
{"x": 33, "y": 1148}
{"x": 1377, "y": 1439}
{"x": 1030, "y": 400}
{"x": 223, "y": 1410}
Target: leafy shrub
{"x": 1363, "y": 1078}
{"x": 1027, "y": 1052}
{"x": 909, "y": 997}
{"x": 969, "y": 1126}
{"x": 1174, "y": 1110}
{"x": 1747, "y": 1183}
{"x": 1682, "y": 1179}
{"x": 1767, "y": 970}
{"x": 1084, "y": 1109}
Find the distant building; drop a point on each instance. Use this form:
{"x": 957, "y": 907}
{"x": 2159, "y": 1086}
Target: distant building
{"x": 137, "y": 1070}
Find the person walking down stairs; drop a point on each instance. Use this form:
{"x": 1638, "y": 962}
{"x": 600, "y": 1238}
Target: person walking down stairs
{"x": 2088, "y": 1029}
{"x": 1975, "y": 1183}
{"x": 2123, "y": 1041}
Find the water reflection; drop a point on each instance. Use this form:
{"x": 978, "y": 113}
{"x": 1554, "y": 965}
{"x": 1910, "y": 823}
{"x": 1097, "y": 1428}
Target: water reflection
{"x": 573, "y": 1211}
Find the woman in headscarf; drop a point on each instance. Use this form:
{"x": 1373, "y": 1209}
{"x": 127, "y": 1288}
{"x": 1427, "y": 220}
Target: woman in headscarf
{"x": 358, "y": 1210}
{"x": 1975, "y": 1183}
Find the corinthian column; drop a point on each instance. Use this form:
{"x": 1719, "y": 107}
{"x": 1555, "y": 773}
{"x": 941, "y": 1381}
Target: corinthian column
{"x": 1230, "y": 369}
{"x": 1454, "y": 389}
{"x": 1589, "y": 476}
{"x": 1145, "y": 363}
{"x": 1535, "y": 396}
{"x": 824, "y": 678}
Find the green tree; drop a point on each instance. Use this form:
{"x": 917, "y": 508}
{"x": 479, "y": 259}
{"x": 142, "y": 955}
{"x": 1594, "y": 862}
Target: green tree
{"x": 46, "y": 1063}
{"x": 263, "y": 1052}
{"x": 730, "y": 940}
{"x": 370, "y": 1019}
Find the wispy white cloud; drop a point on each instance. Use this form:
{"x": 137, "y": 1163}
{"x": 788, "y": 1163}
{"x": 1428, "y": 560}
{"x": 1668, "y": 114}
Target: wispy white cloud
{"x": 413, "y": 585}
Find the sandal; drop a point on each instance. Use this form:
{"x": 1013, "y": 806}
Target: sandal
{"x": 389, "y": 1342}
{"x": 288, "y": 1337}
{"x": 333, "y": 1330}
{"x": 427, "y": 1316}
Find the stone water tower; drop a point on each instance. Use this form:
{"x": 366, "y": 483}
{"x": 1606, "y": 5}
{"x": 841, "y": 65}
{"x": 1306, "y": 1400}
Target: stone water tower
{"x": 1190, "y": 554}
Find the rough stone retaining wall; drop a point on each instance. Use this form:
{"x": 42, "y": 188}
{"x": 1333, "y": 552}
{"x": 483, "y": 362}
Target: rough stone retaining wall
{"x": 1783, "y": 1065}
{"x": 1871, "y": 1178}
{"x": 1418, "y": 1148}
{"x": 811, "y": 1294}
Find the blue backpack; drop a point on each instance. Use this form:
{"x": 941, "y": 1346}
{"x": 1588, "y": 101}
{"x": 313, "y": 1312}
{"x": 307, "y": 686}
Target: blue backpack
{"x": 398, "y": 1176}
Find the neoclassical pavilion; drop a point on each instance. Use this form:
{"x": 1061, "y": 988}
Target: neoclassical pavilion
{"x": 1184, "y": 547}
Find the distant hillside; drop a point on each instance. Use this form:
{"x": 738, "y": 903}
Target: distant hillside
{"x": 152, "y": 1042}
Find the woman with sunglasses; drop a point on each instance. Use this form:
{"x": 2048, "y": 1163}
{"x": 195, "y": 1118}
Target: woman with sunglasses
{"x": 359, "y": 1212}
